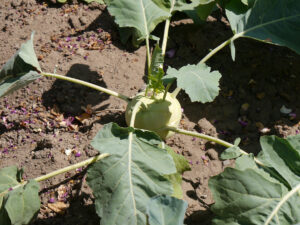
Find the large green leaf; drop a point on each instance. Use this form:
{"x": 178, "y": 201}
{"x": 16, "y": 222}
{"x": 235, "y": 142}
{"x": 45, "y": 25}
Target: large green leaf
{"x": 197, "y": 80}
{"x": 246, "y": 197}
{"x": 275, "y": 21}
{"x": 143, "y": 15}
{"x": 20, "y": 205}
{"x": 166, "y": 210}
{"x": 173, "y": 6}
{"x": 132, "y": 174}
{"x": 254, "y": 192}
{"x": 181, "y": 165}
{"x": 279, "y": 154}
{"x": 19, "y": 70}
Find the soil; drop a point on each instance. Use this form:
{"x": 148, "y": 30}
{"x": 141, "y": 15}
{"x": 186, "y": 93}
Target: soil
{"x": 37, "y": 125}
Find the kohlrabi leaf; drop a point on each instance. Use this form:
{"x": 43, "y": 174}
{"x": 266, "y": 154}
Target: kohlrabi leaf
{"x": 172, "y": 6}
{"x": 134, "y": 172}
{"x": 156, "y": 72}
{"x": 19, "y": 205}
{"x": 247, "y": 162}
{"x": 198, "y": 81}
{"x": 246, "y": 197}
{"x": 202, "y": 11}
{"x": 273, "y": 21}
{"x": 232, "y": 152}
{"x": 279, "y": 154}
{"x": 257, "y": 192}
{"x": 19, "y": 70}
{"x": 143, "y": 15}
{"x": 166, "y": 210}
{"x": 181, "y": 165}
{"x": 294, "y": 141}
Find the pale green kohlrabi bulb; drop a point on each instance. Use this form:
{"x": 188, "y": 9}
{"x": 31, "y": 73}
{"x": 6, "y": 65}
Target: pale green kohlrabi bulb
{"x": 154, "y": 114}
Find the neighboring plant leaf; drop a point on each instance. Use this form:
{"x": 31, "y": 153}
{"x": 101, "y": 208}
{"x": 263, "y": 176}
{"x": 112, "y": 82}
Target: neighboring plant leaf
{"x": 282, "y": 156}
{"x": 232, "y": 152}
{"x": 166, "y": 210}
{"x": 181, "y": 165}
{"x": 134, "y": 172}
{"x": 198, "y": 81}
{"x": 156, "y": 72}
{"x": 273, "y": 21}
{"x": 19, "y": 70}
{"x": 18, "y": 206}
{"x": 249, "y": 193}
{"x": 246, "y": 197}
{"x": 143, "y": 15}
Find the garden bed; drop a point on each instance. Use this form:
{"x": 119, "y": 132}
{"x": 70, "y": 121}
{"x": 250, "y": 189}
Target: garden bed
{"x": 50, "y": 123}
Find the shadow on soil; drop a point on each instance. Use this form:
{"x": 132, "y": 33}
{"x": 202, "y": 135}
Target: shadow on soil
{"x": 70, "y": 97}
{"x": 76, "y": 212}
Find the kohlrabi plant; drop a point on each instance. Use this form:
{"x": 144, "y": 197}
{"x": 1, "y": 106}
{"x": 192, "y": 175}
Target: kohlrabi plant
{"x": 137, "y": 178}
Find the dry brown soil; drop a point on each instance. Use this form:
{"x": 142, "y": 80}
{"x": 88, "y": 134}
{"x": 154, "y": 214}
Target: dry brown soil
{"x": 36, "y": 122}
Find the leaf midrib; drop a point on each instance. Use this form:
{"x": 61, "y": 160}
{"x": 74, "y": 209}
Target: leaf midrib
{"x": 145, "y": 19}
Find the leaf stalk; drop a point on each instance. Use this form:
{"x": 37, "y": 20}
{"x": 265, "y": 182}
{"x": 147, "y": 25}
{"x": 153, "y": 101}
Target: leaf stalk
{"x": 60, "y": 171}
{"x": 87, "y": 84}
{"x": 210, "y": 138}
{"x": 165, "y": 38}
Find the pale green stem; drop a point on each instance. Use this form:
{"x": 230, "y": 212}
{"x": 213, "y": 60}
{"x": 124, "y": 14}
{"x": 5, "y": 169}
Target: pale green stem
{"x": 218, "y": 48}
{"x": 209, "y": 138}
{"x": 72, "y": 167}
{"x": 282, "y": 201}
{"x": 148, "y": 54}
{"x": 87, "y": 84}
{"x": 165, "y": 38}
{"x": 176, "y": 92}
{"x": 60, "y": 171}
{"x": 134, "y": 111}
